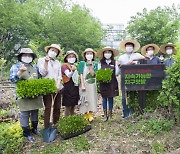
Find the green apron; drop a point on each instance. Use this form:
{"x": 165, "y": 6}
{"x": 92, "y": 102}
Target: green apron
{"x": 27, "y": 104}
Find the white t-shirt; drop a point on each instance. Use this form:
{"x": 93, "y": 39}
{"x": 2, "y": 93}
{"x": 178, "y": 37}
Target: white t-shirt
{"x": 53, "y": 71}
{"x": 126, "y": 58}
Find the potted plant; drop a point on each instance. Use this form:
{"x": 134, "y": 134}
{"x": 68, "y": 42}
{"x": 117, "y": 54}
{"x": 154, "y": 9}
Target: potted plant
{"x": 71, "y": 126}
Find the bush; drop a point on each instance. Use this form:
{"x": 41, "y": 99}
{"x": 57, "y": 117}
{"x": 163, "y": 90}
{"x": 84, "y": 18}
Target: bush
{"x": 170, "y": 93}
{"x": 151, "y": 100}
{"x": 34, "y": 87}
{"x": 11, "y": 139}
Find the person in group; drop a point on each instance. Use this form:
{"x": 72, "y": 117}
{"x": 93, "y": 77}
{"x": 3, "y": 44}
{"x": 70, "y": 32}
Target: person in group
{"x": 169, "y": 50}
{"x": 108, "y": 90}
{"x": 24, "y": 70}
{"x": 87, "y": 70}
{"x": 161, "y": 57}
{"x": 70, "y": 82}
{"x": 50, "y": 67}
{"x": 129, "y": 58}
{"x": 149, "y": 51}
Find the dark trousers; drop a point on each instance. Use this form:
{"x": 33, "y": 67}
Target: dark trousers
{"x": 56, "y": 111}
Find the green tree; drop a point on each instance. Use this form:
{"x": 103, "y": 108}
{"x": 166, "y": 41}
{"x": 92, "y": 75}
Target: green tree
{"x": 158, "y": 26}
{"x": 40, "y": 23}
{"x": 18, "y": 24}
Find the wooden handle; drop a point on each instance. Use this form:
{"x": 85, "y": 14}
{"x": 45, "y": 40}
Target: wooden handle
{"x": 52, "y": 107}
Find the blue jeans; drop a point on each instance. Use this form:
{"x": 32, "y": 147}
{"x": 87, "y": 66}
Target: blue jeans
{"x": 110, "y": 103}
{"x": 126, "y": 110}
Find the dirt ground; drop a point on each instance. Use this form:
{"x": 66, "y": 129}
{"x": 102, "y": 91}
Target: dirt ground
{"x": 112, "y": 137}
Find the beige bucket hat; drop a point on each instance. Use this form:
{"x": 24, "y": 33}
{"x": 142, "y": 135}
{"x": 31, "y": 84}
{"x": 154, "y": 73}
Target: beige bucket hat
{"x": 100, "y": 52}
{"x": 163, "y": 47}
{"x": 25, "y": 50}
{"x": 71, "y": 52}
{"x": 123, "y": 43}
{"x": 143, "y": 50}
{"x": 86, "y": 50}
{"x": 54, "y": 46}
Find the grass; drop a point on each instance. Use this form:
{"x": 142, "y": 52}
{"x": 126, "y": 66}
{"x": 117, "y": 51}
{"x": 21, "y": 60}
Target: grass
{"x": 76, "y": 144}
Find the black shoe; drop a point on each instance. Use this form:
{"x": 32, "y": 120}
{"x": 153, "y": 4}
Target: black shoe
{"x": 26, "y": 133}
{"x": 35, "y": 131}
{"x": 34, "y": 127}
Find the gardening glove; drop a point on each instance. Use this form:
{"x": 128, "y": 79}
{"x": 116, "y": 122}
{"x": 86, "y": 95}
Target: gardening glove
{"x": 75, "y": 77}
{"x": 83, "y": 99}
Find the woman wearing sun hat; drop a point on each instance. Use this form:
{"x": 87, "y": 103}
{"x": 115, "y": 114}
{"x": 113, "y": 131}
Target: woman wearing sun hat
{"x": 87, "y": 70}
{"x": 24, "y": 70}
{"x": 129, "y": 58}
{"x": 169, "y": 50}
{"x": 49, "y": 67}
{"x": 70, "y": 81}
{"x": 108, "y": 90}
{"x": 149, "y": 51}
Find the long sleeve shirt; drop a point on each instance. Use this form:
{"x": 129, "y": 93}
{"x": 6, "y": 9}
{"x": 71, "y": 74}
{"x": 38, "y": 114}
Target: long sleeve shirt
{"x": 14, "y": 72}
{"x": 53, "y": 70}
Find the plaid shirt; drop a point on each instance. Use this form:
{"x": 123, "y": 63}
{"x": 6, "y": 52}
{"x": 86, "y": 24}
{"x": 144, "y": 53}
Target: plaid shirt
{"x": 14, "y": 70}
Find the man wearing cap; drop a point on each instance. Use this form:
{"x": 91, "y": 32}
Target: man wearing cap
{"x": 87, "y": 70}
{"x": 169, "y": 50}
{"x": 49, "y": 67}
{"x": 149, "y": 51}
{"x": 24, "y": 70}
{"x": 129, "y": 58}
{"x": 70, "y": 78}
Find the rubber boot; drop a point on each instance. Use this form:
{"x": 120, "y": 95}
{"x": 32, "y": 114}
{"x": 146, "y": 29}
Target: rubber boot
{"x": 105, "y": 116}
{"x": 110, "y": 114}
{"x": 34, "y": 127}
{"x": 87, "y": 116}
{"x": 90, "y": 117}
{"x": 26, "y": 133}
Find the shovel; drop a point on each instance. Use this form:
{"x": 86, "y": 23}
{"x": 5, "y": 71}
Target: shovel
{"x": 49, "y": 134}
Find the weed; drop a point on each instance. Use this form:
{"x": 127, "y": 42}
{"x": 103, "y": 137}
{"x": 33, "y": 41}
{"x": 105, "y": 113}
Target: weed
{"x": 157, "y": 148}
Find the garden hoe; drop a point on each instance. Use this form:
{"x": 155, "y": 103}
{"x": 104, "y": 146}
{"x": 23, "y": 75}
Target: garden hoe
{"x": 49, "y": 134}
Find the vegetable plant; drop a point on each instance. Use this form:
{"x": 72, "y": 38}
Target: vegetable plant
{"x": 72, "y": 124}
{"x": 104, "y": 75}
{"x": 34, "y": 87}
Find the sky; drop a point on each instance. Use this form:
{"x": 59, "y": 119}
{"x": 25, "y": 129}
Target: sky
{"x": 120, "y": 11}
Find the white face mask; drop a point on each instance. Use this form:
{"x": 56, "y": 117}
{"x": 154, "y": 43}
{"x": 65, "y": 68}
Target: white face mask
{"x": 89, "y": 57}
{"x": 52, "y": 54}
{"x": 129, "y": 49}
{"x": 71, "y": 60}
{"x": 150, "y": 52}
{"x": 169, "y": 51}
{"x": 26, "y": 59}
{"x": 107, "y": 55}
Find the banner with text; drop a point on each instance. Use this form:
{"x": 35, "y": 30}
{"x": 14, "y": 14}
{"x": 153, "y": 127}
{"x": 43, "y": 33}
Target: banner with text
{"x": 142, "y": 77}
